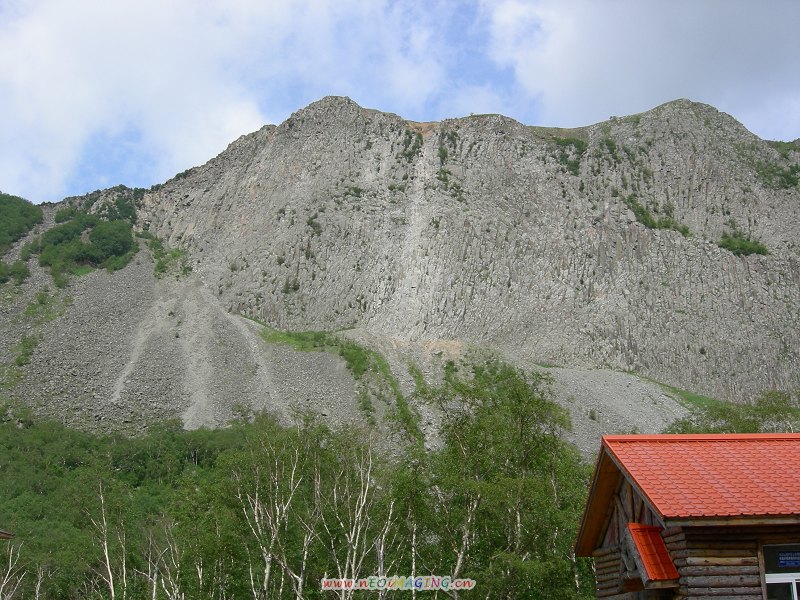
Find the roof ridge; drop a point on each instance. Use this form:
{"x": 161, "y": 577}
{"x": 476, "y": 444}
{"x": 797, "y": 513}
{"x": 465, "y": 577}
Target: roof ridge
{"x": 699, "y": 437}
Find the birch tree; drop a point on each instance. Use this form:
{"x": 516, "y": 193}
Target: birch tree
{"x": 12, "y": 573}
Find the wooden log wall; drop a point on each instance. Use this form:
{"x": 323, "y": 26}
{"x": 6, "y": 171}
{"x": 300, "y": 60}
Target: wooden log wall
{"x": 628, "y": 507}
{"x": 722, "y": 563}
{"x": 608, "y": 571}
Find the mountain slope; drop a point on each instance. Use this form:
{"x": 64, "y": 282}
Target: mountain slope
{"x": 529, "y": 240}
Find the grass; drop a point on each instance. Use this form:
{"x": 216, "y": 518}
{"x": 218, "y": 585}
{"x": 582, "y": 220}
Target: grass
{"x": 778, "y": 177}
{"x": 741, "y": 245}
{"x": 10, "y": 376}
{"x": 611, "y": 147}
{"x": 63, "y": 249}
{"x": 18, "y": 271}
{"x": 772, "y": 411}
{"x": 690, "y": 399}
{"x": 548, "y": 365}
{"x": 24, "y": 349}
{"x": 46, "y": 308}
{"x": 17, "y": 217}
{"x": 314, "y": 224}
{"x": 569, "y": 147}
{"x": 419, "y": 379}
{"x": 80, "y": 270}
{"x": 166, "y": 259}
{"x": 359, "y": 361}
{"x": 785, "y": 149}
{"x": 646, "y": 218}
{"x": 412, "y": 144}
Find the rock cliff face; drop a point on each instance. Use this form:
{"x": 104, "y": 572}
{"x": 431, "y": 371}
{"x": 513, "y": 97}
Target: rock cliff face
{"x": 529, "y": 240}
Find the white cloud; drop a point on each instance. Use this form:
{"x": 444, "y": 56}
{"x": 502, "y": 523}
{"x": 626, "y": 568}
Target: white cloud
{"x": 72, "y": 71}
{"x": 586, "y": 60}
{"x": 94, "y": 93}
{"x": 176, "y": 81}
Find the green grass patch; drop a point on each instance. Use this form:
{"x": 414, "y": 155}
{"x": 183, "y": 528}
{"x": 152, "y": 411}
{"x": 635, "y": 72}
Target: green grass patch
{"x": 691, "y": 400}
{"x": 610, "y": 147}
{"x": 17, "y": 217}
{"x": 419, "y": 380}
{"x": 646, "y": 217}
{"x": 24, "y": 349}
{"x": 66, "y": 214}
{"x": 312, "y": 222}
{"x": 570, "y": 151}
{"x": 359, "y": 361}
{"x": 772, "y": 411}
{"x": 777, "y": 176}
{"x": 46, "y": 308}
{"x": 785, "y": 149}
{"x": 62, "y": 248}
{"x": 80, "y": 270}
{"x": 548, "y": 365}
{"x": 741, "y": 245}
{"x": 17, "y": 271}
{"x": 166, "y": 259}
{"x": 412, "y": 145}
{"x": 10, "y": 376}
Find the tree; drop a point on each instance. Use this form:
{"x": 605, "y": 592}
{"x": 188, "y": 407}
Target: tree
{"x": 11, "y": 574}
{"x": 507, "y": 490}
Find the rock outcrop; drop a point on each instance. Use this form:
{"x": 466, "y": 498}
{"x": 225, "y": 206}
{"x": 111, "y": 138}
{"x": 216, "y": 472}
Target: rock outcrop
{"x": 529, "y": 240}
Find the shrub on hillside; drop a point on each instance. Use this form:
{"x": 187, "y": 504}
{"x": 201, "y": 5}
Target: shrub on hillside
{"x": 111, "y": 238}
{"x": 741, "y": 245}
{"x": 64, "y": 250}
{"x": 17, "y": 217}
{"x": 18, "y": 271}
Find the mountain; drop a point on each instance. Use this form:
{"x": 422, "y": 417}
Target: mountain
{"x": 485, "y": 230}
{"x": 663, "y": 244}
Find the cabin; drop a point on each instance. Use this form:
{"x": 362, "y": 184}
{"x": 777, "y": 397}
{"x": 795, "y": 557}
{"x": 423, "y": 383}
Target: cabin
{"x": 695, "y": 516}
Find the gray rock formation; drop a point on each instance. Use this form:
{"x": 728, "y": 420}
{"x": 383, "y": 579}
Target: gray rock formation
{"x": 557, "y": 249}
{"x": 523, "y": 239}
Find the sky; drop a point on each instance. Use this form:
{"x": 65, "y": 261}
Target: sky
{"x": 95, "y": 93}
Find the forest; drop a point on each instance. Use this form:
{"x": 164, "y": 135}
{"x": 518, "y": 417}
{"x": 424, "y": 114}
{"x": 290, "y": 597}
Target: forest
{"x": 266, "y": 510}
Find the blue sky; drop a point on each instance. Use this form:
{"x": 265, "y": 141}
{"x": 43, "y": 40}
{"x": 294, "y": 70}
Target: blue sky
{"x": 94, "y": 93}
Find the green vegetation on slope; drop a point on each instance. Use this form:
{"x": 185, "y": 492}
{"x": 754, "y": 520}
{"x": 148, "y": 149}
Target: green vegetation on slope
{"x": 166, "y": 260}
{"x": 63, "y": 249}
{"x": 568, "y": 147}
{"x": 18, "y": 271}
{"x": 778, "y": 176}
{"x": 17, "y": 217}
{"x": 359, "y": 361}
{"x": 773, "y": 411}
{"x": 646, "y": 217}
{"x": 498, "y": 502}
{"x": 412, "y": 145}
{"x": 741, "y": 245}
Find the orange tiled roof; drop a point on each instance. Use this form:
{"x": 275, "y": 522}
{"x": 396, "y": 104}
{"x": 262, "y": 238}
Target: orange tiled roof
{"x": 718, "y": 475}
{"x": 651, "y": 548}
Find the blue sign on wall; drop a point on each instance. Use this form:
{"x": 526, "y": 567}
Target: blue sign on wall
{"x": 788, "y": 559}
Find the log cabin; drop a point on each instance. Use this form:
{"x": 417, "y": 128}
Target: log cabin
{"x": 695, "y": 516}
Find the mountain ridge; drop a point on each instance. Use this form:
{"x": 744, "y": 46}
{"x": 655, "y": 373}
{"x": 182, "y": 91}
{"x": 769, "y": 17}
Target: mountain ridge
{"x": 600, "y": 247}
{"x": 372, "y": 164}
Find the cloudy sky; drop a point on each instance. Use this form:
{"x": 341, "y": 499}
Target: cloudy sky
{"x": 99, "y": 92}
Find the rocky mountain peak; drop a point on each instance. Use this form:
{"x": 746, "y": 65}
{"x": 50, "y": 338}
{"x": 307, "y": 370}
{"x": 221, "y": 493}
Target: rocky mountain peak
{"x": 595, "y": 246}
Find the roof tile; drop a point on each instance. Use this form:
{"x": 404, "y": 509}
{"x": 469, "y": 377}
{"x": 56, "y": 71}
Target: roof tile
{"x": 713, "y": 475}
{"x": 653, "y": 552}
